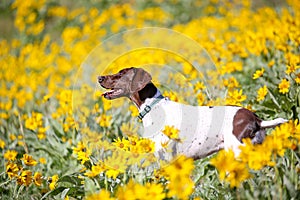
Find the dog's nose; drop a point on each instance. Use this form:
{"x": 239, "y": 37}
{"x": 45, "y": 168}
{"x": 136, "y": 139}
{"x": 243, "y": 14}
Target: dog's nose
{"x": 100, "y": 79}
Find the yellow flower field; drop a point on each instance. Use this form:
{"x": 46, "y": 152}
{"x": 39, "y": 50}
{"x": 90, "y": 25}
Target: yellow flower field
{"x": 60, "y": 139}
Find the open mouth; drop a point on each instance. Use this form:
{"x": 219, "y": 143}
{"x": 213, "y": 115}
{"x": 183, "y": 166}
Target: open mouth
{"x": 113, "y": 93}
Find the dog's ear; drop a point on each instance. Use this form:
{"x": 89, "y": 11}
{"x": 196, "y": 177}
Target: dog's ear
{"x": 140, "y": 80}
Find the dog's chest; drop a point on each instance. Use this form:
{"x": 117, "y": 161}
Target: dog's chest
{"x": 201, "y": 128}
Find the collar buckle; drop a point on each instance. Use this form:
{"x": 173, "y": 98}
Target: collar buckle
{"x": 145, "y": 111}
{"x": 148, "y": 108}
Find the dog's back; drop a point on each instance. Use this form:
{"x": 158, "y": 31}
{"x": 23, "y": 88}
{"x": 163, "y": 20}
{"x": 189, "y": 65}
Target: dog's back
{"x": 202, "y": 128}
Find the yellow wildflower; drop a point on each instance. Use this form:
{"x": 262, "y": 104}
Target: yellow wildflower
{"x": 154, "y": 191}
{"x": 103, "y": 194}
{"x": 12, "y": 137}
{"x": 133, "y": 141}
{"x": 25, "y": 178}
{"x": 180, "y": 184}
{"x": 81, "y": 179}
{"x": 28, "y": 160}
{"x": 15, "y": 43}
{"x": 116, "y": 164}
{"x": 181, "y": 165}
{"x": 291, "y": 69}
{"x": 200, "y": 99}
{"x": 35, "y": 121}
{"x": 10, "y": 155}
{"x": 41, "y": 133}
{"x": 165, "y": 144}
{"x": 279, "y": 141}
{"x": 129, "y": 129}
{"x": 30, "y": 124}
{"x": 235, "y": 97}
{"x": 295, "y": 133}
{"x": 4, "y": 115}
{"x": 134, "y": 190}
{"x": 104, "y": 120}
{"x": 231, "y": 67}
{"x": 231, "y": 82}
{"x": 46, "y": 98}
{"x": 146, "y": 146}
{"x": 276, "y": 144}
{"x": 69, "y": 123}
{"x": 134, "y": 111}
{"x": 36, "y": 28}
{"x": 53, "y": 181}
{"x": 84, "y": 155}
{"x": 199, "y": 86}
{"x": 256, "y": 156}
{"x": 65, "y": 99}
{"x": 258, "y": 73}
{"x": 230, "y": 169}
{"x": 43, "y": 160}
{"x": 131, "y": 191}
{"x": 171, "y": 132}
{"x": 37, "y": 179}
{"x": 297, "y": 79}
{"x": 112, "y": 173}
{"x": 20, "y": 140}
{"x": 237, "y": 174}
{"x": 121, "y": 143}
{"x": 58, "y": 11}
{"x": 12, "y": 169}
{"x": 271, "y": 63}
{"x": 284, "y": 86}
{"x": 70, "y": 34}
{"x": 93, "y": 12}
{"x": 221, "y": 160}
{"x": 80, "y": 147}
{"x": 181, "y": 187}
{"x": 106, "y": 104}
{"x": 96, "y": 170}
{"x": 2, "y": 144}
{"x": 261, "y": 93}
{"x": 171, "y": 95}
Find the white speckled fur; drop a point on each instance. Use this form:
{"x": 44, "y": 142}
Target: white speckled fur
{"x": 203, "y": 130}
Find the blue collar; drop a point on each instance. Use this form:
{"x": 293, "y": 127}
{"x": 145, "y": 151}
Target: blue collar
{"x": 148, "y": 108}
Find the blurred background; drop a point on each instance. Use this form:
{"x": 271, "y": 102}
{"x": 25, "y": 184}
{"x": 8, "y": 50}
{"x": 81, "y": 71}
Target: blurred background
{"x": 182, "y": 10}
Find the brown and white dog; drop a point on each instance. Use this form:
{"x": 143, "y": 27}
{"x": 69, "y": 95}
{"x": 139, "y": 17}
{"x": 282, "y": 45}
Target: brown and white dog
{"x": 203, "y": 130}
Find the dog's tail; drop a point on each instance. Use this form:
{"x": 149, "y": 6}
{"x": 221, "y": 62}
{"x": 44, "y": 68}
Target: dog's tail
{"x": 272, "y": 123}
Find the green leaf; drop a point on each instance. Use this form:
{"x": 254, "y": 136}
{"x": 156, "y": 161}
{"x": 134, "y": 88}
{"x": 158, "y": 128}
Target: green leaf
{"x": 54, "y": 192}
{"x": 290, "y": 187}
{"x": 57, "y": 128}
{"x": 73, "y": 179}
{"x": 64, "y": 193}
{"x": 74, "y": 191}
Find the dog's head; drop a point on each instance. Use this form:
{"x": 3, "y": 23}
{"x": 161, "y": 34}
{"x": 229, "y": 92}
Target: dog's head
{"x": 126, "y": 82}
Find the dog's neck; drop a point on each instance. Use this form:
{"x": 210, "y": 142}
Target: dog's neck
{"x": 149, "y": 102}
{"x": 148, "y": 92}
{"x": 157, "y": 94}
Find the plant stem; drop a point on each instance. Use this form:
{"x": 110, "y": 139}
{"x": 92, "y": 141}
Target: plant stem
{"x": 22, "y": 132}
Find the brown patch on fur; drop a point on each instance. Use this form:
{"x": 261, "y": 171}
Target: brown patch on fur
{"x": 245, "y": 124}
